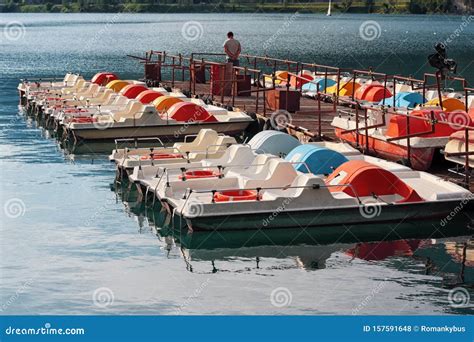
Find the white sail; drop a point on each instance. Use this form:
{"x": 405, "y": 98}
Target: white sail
{"x": 329, "y": 9}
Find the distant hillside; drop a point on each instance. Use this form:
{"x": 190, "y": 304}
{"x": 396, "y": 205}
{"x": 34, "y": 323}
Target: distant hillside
{"x": 140, "y": 6}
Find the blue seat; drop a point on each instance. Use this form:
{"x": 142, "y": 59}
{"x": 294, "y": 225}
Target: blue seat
{"x": 405, "y": 100}
{"x": 313, "y": 86}
{"x": 319, "y": 160}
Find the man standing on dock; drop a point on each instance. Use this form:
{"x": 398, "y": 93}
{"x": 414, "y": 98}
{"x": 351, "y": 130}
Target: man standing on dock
{"x": 232, "y": 49}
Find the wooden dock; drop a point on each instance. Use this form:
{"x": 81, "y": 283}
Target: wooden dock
{"x": 307, "y": 117}
{"x": 305, "y": 120}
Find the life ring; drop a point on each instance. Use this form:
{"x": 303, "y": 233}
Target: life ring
{"x": 236, "y": 195}
{"x": 199, "y": 174}
{"x": 157, "y": 156}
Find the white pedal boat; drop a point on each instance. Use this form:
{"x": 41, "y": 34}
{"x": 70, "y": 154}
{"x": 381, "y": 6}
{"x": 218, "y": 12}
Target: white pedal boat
{"x": 107, "y": 103}
{"x": 206, "y": 144}
{"x": 357, "y": 192}
{"x": 139, "y": 120}
{"x": 263, "y": 171}
{"x": 268, "y": 142}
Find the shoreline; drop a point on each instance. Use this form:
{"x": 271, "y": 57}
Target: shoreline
{"x": 401, "y": 8}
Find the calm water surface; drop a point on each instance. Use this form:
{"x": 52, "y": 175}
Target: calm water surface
{"x": 79, "y": 247}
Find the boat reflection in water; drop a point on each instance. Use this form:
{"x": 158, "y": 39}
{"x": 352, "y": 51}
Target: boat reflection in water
{"x": 446, "y": 252}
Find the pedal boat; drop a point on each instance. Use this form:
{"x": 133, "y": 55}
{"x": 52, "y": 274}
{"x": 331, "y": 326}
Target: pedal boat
{"x": 206, "y": 144}
{"x": 357, "y": 192}
{"x": 272, "y": 143}
{"x": 140, "y": 121}
{"x": 86, "y": 109}
{"x": 265, "y": 170}
{"x": 388, "y": 134}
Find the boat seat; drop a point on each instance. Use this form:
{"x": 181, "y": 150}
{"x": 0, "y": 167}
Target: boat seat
{"x": 101, "y": 96}
{"x": 71, "y": 79}
{"x": 215, "y": 149}
{"x": 258, "y": 166}
{"x": 403, "y": 88}
{"x": 276, "y": 172}
{"x": 80, "y": 84}
{"x": 131, "y": 110}
{"x": 366, "y": 179}
{"x": 431, "y": 94}
{"x": 234, "y": 155}
{"x": 90, "y": 91}
{"x": 296, "y": 187}
{"x": 204, "y": 138}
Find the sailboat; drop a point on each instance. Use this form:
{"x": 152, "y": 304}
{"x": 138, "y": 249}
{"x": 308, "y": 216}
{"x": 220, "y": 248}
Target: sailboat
{"x": 329, "y": 9}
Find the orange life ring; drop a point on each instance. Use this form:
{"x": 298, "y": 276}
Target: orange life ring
{"x": 199, "y": 174}
{"x": 236, "y": 195}
{"x": 157, "y": 156}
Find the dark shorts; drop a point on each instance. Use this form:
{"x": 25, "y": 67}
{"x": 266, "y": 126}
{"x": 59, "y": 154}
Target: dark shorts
{"x": 235, "y": 62}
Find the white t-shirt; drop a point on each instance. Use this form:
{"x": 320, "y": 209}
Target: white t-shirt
{"x": 232, "y": 45}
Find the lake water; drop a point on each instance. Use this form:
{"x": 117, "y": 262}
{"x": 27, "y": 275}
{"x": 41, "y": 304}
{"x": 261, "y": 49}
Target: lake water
{"x": 69, "y": 244}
